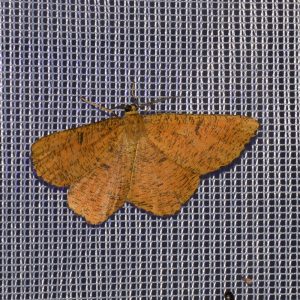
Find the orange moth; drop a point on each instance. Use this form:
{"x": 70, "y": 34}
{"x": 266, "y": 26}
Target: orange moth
{"x": 152, "y": 161}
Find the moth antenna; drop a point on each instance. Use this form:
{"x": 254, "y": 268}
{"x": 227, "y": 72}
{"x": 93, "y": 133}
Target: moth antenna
{"x": 133, "y": 93}
{"x": 157, "y": 100}
{"x": 101, "y": 107}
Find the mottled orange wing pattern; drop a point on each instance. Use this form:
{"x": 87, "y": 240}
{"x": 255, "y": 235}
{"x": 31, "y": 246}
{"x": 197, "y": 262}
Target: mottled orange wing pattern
{"x": 100, "y": 193}
{"x": 154, "y": 161}
{"x": 159, "y": 185}
{"x": 64, "y": 157}
{"x": 202, "y": 143}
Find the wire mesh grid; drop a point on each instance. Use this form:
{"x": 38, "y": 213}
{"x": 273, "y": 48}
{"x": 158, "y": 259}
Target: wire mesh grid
{"x": 239, "y": 57}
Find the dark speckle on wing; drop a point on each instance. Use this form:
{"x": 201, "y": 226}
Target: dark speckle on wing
{"x": 105, "y": 166}
{"x": 162, "y": 159}
{"x": 198, "y": 127}
{"x": 80, "y": 137}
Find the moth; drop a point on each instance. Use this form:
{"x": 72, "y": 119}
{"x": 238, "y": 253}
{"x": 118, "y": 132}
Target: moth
{"x": 152, "y": 161}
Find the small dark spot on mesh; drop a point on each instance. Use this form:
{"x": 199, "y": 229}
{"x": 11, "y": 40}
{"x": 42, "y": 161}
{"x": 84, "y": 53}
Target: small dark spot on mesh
{"x": 248, "y": 280}
{"x": 228, "y": 295}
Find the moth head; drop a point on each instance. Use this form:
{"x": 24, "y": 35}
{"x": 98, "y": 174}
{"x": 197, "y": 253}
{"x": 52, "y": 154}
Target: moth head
{"x": 131, "y": 108}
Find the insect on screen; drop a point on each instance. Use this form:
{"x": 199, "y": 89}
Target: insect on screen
{"x": 220, "y": 57}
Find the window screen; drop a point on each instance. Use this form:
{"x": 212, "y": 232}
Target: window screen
{"x": 221, "y": 57}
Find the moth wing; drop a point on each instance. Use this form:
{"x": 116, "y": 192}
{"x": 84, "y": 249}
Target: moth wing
{"x": 202, "y": 143}
{"x": 100, "y": 193}
{"x": 159, "y": 185}
{"x": 64, "y": 157}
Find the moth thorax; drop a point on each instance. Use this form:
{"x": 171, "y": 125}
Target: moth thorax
{"x": 131, "y": 108}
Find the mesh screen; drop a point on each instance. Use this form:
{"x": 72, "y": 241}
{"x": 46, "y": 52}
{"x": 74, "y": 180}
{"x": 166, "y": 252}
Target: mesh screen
{"x": 240, "y": 57}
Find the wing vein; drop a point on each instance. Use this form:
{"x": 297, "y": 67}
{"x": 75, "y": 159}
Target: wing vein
{"x": 171, "y": 159}
{"x": 132, "y": 169}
